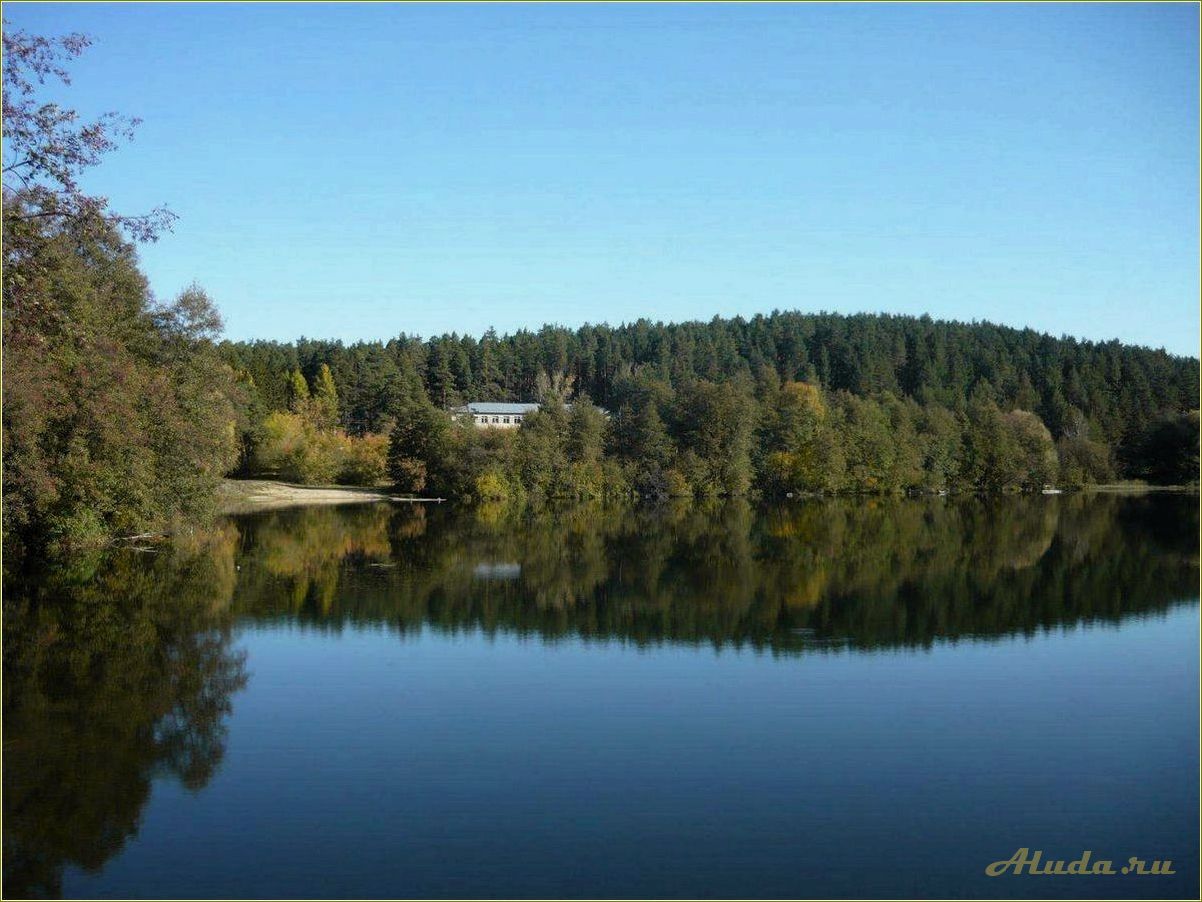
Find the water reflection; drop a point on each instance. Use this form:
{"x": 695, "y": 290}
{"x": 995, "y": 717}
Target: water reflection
{"x": 115, "y": 671}
{"x": 866, "y": 573}
{"x": 124, "y": 668}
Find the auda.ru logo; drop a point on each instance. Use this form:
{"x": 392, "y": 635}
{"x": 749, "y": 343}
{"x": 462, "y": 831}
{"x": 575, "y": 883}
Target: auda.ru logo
{"x": 1025, "y": 861}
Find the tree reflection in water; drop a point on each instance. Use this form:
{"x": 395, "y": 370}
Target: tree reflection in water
{"x": 123, "y": 669}
{"x": 115, "y": 671}
{"x": 863, "y": 572}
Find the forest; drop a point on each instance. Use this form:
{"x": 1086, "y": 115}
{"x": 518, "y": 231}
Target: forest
{"x": 122, "y": 413}
{"x": 782, "y": 403}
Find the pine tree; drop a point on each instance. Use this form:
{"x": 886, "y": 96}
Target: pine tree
{"x": 324, "y": 404}
{"x": 298, "y": 392}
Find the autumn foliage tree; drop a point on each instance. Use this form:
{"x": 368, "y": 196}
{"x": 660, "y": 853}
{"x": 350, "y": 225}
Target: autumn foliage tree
{"x": 306, "y": 443}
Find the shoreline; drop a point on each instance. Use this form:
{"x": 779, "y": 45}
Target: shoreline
{"x": 248, "y": 496}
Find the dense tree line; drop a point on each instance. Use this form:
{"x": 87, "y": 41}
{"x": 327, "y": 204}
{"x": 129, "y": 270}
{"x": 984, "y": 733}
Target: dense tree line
{"x": 777, "y": 403}
{"x": 1117, "y": 388}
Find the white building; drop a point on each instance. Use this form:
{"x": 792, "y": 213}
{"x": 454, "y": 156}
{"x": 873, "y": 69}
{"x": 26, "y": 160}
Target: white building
{"x": 499, "y": 414}
{"x": 495, "y": 415}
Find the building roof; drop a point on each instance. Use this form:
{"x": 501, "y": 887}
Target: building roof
{"x": 497, "y": 407}
{"x": 506, "y": 408}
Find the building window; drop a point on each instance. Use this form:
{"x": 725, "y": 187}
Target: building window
{"x": 506, "y": 420}
{"x": 517, "y": 419}
{"x": 496, "y": 419}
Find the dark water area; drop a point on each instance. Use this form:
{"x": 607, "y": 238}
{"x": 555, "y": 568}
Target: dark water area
{"x": 839, "y": 698}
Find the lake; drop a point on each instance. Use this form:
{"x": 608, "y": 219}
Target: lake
{"x": 837, "y": 698}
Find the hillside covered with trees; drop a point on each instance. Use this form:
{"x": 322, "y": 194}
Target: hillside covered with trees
{"x": 788, "y": 402}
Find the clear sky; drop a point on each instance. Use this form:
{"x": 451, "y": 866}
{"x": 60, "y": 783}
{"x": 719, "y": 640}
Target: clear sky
{"x": 355, "y": 171}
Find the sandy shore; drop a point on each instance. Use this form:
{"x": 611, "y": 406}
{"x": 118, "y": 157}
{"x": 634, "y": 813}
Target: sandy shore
{"x": 241, "y": 496}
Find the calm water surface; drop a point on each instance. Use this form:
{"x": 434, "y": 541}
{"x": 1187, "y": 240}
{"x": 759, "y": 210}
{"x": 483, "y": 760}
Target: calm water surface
{"x": 829, "y": 699}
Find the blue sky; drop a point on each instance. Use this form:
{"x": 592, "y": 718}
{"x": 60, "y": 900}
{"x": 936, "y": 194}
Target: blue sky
{"x": 355, "y": 171}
